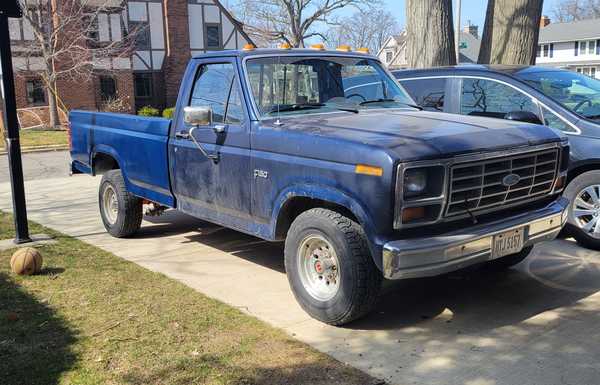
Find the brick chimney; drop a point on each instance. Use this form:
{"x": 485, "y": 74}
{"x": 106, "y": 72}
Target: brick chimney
{"x": 471, "y": 29}
{"x": 544, "y": 21}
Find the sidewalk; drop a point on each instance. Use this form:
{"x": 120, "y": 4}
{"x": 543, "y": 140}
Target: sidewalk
{"x": 533, "y": 325}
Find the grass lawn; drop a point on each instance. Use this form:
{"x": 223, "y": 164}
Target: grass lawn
{"x": 93, "y": 318}
{"x": 40, "y": 138}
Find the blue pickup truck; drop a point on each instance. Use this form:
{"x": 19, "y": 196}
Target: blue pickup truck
{"x": 326, "y": 151}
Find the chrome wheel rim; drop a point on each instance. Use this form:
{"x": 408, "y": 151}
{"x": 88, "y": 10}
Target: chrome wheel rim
{"x": 318, "y": 267}
{"x": 586, "y": 210}
{"x": 110, "y": 204}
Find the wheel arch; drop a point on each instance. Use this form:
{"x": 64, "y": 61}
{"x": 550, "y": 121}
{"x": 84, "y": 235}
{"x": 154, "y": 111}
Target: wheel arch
{"x": 583, "y": 167}
{"x": 104, "y": 159}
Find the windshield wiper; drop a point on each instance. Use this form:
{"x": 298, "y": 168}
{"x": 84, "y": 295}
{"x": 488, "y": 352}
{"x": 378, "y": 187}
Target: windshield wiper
{"x": 310, "y": 106}
{"x": 383, "y": 100}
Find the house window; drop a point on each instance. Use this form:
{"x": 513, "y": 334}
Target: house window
{"x": 592, "y": 47}
{"x": 213, "y": 36}
{"x": 546, "y": 50}
{"x": 583, "y": 47}
{"x": 389, "y": 56}
{"x": 141, "y": 32}
{"x": 35, "y": 92}
{"x": 108, "y": 88}
{"x": 538, "y": 52}
{"x": 143, "y": 85}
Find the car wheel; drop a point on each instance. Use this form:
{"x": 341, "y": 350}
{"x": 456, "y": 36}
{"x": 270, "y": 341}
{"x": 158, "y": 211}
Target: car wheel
{"x": 120, "y": 210}
{"x": 583, "y": 222}
{"x": 509, "y": 261}
{"x": 329, "y": 267}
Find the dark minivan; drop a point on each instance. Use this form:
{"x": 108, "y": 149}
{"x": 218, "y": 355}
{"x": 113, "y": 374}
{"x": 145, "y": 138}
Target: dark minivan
{"x": 563, "y": 100}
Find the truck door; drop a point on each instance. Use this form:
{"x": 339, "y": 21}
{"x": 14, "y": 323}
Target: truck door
{"x": 214, "y": 187}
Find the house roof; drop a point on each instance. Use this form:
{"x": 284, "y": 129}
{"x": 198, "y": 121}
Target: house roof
{"x": 471, "y": 53}
{"x": 571, "y": 31}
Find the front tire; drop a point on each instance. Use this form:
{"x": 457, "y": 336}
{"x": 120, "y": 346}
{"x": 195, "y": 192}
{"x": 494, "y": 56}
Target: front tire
{"x": 120, "y": 210}
{"x": 329, "y": 267}
{"x": 584, "y": 209}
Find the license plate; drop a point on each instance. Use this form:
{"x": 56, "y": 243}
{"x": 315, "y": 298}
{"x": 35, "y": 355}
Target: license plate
{"x": 507, "y": 243}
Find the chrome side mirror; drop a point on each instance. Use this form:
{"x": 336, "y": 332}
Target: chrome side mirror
{"x": 197, "y": 115}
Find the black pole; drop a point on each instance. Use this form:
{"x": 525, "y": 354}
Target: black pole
{"x": 13, "y": 145}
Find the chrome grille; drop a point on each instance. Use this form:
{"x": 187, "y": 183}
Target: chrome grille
{"x": 479, "y": 185}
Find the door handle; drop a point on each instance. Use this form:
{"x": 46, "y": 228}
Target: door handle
{"x": 219, "y": 128}
{"x": 182, "y": 135}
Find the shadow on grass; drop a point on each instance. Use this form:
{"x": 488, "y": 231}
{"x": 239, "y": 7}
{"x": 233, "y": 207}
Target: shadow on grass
{"x": 208, "y": 368}
{"x": 35, "y": 343}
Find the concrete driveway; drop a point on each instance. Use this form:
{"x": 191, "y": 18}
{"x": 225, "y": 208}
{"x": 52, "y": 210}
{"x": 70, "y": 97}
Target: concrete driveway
{"x": 535, "y": 324}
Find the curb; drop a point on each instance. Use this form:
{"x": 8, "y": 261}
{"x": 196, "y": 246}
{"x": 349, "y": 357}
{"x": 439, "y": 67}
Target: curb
{"x": 25, "y": 150}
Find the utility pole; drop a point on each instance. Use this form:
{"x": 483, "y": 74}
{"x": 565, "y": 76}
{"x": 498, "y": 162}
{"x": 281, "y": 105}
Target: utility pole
{"x": 11, "y": 8}
{"x": 457, "y": 34}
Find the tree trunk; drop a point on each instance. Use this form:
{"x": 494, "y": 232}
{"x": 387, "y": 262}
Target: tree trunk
{"x": 511, "y": 32}
{"x": 53, "y": 106}
{"x": 430, "y": 33}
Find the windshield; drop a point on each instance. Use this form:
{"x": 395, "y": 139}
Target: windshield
{"x": 284, "y": 85}
{"x": 579, "y": 93}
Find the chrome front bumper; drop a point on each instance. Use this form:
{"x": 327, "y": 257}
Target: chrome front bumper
{"x": 430, "y": 256}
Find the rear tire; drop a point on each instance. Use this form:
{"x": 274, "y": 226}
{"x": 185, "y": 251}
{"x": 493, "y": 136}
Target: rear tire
{"x": 575, "y": 192}
{"x": 509, "y": 261}
{"x": 120, "y": 210}
{"x": 329, "y": 267}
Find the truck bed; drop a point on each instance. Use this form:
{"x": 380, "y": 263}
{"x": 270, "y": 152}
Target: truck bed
{"x": 138, "y": 145}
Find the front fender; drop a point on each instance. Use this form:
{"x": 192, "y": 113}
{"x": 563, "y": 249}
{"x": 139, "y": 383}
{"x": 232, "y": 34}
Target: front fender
{"x": 335, "y": 196}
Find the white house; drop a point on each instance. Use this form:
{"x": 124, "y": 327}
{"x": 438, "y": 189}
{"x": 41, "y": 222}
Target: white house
{"x": 573, "y": 45}
{"x": 393, "y": 51}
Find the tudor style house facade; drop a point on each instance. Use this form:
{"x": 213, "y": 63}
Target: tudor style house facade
{"x": 574, "y": 46}
{"x": 170, "y": 33}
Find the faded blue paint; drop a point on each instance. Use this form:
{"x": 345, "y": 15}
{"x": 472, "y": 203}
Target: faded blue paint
{"x": 310, "y": 156}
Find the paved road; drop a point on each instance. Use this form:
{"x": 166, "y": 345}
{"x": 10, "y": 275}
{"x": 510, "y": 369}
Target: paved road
{"x": 536, "y": 324}
{"x": 39, "y": 165}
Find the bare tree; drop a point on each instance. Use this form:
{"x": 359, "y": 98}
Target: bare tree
{"x": 511, "y": 32}
{"x": 290, "y": 21}
{"x": 367, "y": 28}
{"x": 571, "y": 10}
{"x": 65, "y": 41}
{"x": 430, "y": 33}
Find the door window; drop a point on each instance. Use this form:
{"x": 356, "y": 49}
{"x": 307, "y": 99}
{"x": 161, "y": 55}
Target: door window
{"x": 216, "y": 87}
{"x": 553, "y": 121}
{"x": 482, "y": 97}
{"x": 427, "y": 93}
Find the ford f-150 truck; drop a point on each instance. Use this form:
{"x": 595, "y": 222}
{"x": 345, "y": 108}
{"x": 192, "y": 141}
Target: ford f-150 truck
{"x": 325, "y": 150}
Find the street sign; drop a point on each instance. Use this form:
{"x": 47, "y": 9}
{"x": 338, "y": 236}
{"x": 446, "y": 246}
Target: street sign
{"x": 10, "y": 8}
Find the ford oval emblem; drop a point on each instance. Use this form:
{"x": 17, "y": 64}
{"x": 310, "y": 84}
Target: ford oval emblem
{"x": 511, "y": 180}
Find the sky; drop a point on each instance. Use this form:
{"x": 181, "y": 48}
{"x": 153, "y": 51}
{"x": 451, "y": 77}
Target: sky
{"x": 473, "y": 10}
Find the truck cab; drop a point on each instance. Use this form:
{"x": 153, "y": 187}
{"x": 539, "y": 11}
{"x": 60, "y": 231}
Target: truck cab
{"x": 326, "y": 151}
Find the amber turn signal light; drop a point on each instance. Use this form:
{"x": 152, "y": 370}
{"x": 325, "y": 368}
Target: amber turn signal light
{"x": 411, "y": 214}
{"x": 368, "y": 170}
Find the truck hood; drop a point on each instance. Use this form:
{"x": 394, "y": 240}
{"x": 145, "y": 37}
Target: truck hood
{"x": 420, "y": 134}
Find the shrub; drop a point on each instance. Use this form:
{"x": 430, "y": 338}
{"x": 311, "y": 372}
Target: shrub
{"x": 118, "y": 104}
{"x": 148, "y": 111}
{"x": 168, "y": 113}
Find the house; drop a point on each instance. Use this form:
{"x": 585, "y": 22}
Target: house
{"x": 169, "y": 32}
{"x": 393, "y": 51}
{"x": 573, "y": 45}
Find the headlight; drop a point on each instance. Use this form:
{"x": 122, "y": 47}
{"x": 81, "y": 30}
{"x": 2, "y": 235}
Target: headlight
{"x": 415, "y": 181}
{"x": 423, "y": 182}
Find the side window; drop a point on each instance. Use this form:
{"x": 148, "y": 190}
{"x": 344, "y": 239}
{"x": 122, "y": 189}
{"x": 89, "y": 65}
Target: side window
{"x": 216, "y": 86}
{"x": 427, "y": 93}
{"x": 489, "y": 98}
{"x": 553, "y": 121}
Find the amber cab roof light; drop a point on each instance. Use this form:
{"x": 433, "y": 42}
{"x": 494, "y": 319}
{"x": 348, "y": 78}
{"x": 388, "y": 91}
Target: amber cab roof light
{"x": 344, "y": 48}
{"x": 318, "y": 46}
{"x": 249, "y": 47}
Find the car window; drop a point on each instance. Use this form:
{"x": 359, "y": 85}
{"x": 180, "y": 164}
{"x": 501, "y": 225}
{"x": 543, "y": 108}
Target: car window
{"x": 211, "y": 88}
{"x": 492, "y": 99}
{"x": 235, "y": 111}
{"x": 553, "y": 121}
{"x": 428, "y": 93}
